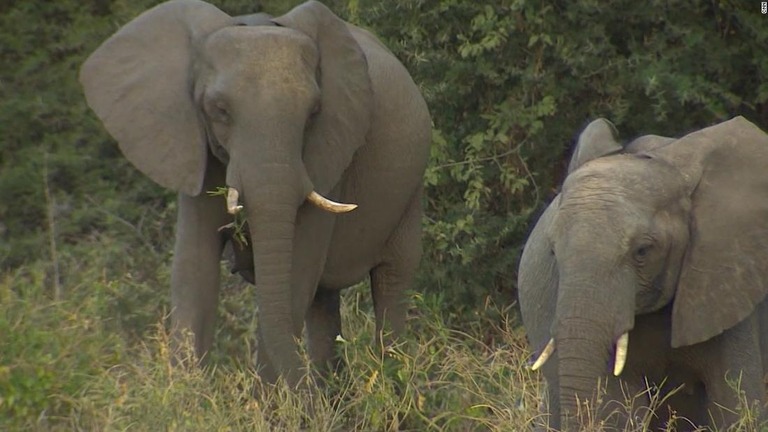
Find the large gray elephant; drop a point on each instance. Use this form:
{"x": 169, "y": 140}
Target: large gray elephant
{"x": 651, "y": 265}
{"x": 284, "y": 115}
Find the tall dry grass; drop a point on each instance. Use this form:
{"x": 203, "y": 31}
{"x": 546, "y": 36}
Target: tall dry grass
{"x": 98, "y": 360}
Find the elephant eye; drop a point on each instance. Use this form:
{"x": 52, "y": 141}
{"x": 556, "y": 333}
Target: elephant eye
{"x": 217, "y": 111}
{"x": 221, "y": 113}
{"x": 641, "y": 252}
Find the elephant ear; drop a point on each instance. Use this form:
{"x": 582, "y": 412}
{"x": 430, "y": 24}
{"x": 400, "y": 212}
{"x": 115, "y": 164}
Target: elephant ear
{"x": 344, "y": 119}
{"x": 139, "y": 83}
{"x": 725, "y": 269}
{"x": 537, "y": 281}
{"x": 598, "y": 139}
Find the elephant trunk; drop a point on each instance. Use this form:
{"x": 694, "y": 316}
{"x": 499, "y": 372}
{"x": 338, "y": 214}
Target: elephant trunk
{"x": 583, "y": 349}
{"x": 271, "y": 194}
{"x": 593, "y": 312}
{"x": 272, "y": 231}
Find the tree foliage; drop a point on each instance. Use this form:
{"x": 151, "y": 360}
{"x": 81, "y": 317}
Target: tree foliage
{"x": 508, "y": 83}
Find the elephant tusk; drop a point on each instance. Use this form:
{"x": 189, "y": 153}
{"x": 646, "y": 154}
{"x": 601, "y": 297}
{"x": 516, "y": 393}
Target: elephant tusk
{"x": 328, "y": 205}
{"x": 544, "y": 356}
{"x": 621, "y": 354}
{"x": 232, "y": 197}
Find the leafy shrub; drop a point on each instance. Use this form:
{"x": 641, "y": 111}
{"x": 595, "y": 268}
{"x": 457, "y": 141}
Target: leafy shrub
{"x": 510, "y": 83}
{"x": 50, "y": 350}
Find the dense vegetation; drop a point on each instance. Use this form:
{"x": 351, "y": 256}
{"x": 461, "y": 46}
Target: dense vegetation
{"x": 85, "y": 239}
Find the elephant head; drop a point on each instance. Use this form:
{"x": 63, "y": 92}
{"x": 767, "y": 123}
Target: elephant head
{"x": 284, "y": 107}
{"x": 662, "y": 223}
{"x": 184, "y": 78}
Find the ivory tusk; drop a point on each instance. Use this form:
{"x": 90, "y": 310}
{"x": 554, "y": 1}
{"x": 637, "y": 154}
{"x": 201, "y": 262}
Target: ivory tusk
{"x": 622, "y": 344}
{"x": 328, "y": 205}
{"x": 232, "y": 197}
{"x": 544, "y": 356}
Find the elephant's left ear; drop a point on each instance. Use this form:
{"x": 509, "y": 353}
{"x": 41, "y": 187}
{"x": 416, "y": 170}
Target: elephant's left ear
{"x": 344, "y": 119}
{"x": 600, "y": 138}
{"x": 725, "y": 269}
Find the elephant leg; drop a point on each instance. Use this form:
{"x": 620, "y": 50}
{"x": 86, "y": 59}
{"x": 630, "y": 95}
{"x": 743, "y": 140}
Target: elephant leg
{"x": 264, "y": 367}
{"x": 395, "y": 273}
{"x": 761, "y": 313}
{"x": 684, "y": 409}
{"x": 736, "y": 375}
{"x": 625, "y": 401}
{"x": 323, "y": 326}
{"x": 388, "y": 285}
{"x": 195, "y": 269}
{"x": 675, "y": 406}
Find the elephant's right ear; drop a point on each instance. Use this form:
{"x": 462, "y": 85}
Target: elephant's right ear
{"x": 598, "y": 139}
{"x": 139, "y": 83}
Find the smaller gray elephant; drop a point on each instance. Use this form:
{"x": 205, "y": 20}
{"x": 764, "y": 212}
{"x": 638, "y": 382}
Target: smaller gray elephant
{"x": 652, "y": 260}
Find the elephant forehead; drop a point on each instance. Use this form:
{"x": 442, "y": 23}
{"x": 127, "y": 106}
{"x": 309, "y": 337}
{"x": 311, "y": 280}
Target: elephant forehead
{"x": 621, "y": 192}
{"x": 632, "y": 177}
{"x": 594, "y": 219}
{"x": 255, "y": 50}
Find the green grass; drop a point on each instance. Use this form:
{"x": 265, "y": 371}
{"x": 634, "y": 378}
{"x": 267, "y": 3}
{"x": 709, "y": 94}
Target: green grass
{"x": 99, "y": 360}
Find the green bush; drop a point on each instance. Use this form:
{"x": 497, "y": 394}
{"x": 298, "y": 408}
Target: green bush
{"x": 50, "y": 350}
{"x": 509, "y": 84}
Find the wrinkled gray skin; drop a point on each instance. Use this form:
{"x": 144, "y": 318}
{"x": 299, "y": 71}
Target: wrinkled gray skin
{"x": 666, "y": 239}
{"x": 197, "y": 100}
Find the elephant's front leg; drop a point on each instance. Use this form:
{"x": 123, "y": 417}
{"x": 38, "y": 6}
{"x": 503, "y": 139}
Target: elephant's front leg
{"x": 625, "y": 403}
{"x": 323, "y": 326}
{"x": 733, "y": 374}
{"x": 195, "y": 270}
